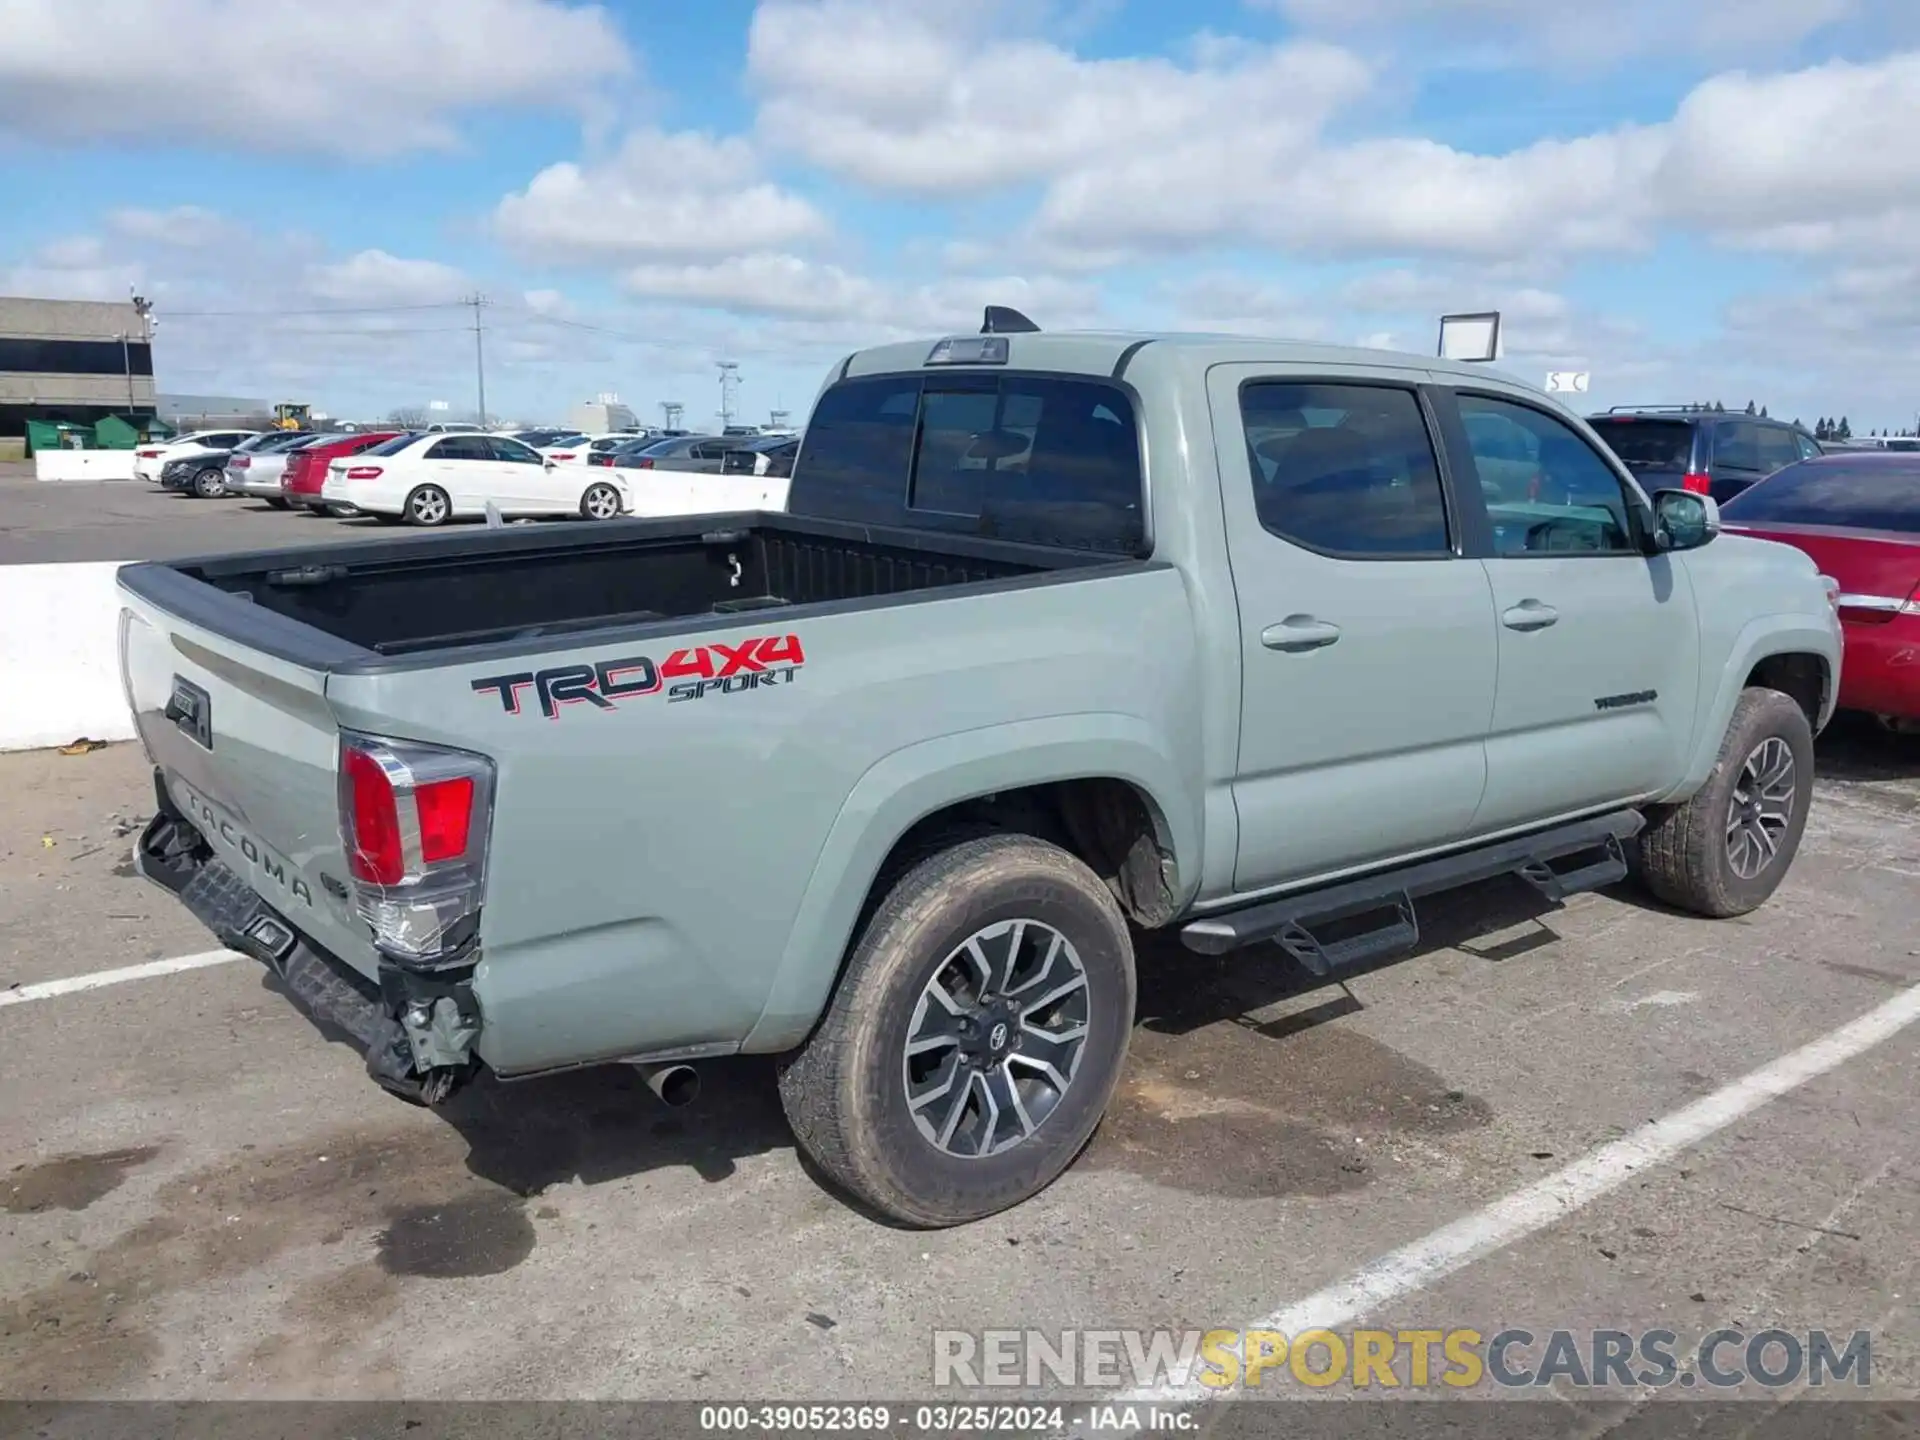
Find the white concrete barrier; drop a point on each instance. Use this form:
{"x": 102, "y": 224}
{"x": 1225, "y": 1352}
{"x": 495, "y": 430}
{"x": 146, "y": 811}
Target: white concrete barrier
{"x": 83, "y": 465}
{"x": 59, "y": 655}
{"x": 660, "y": 493}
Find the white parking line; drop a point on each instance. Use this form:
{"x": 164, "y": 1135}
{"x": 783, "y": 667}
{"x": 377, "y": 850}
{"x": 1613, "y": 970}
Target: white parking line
{"x": 48, "y": 989}
{"x": 1535, "y": 1207}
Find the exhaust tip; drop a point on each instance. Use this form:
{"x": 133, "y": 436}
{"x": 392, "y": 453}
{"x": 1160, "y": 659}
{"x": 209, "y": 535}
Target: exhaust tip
{"x": 676, "y": 1085}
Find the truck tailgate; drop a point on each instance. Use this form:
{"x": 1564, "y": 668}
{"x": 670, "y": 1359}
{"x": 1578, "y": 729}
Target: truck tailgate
{"x": 248, "y": 751}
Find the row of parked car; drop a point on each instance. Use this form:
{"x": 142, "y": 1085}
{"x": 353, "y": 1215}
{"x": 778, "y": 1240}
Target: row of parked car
{"x": 436, "y": 476}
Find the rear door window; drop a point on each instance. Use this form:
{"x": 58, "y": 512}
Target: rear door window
{"x": 1347, "y": 470}
{"x": 1865, "y": 494}
{"x": 1736, "y": 446}
{"x": 1777, "y": 450}
{"x": 461, "y": 447}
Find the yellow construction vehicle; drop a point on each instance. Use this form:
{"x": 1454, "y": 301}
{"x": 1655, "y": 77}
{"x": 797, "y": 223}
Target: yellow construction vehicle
{"x": 289, "y": 416}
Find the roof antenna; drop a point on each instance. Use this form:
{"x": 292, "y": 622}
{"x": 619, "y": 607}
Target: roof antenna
{"x": 1003, "y": 320}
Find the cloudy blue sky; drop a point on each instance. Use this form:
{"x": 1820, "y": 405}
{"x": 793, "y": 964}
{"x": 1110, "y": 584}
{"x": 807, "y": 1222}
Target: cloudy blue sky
{"x": 1709, "y": 198}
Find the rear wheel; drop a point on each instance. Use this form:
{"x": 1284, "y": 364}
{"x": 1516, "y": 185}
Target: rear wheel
{"x": 274, "y": 502}
{"x": 601, "y": 502}
{"x": 428, "y": 505}
{"x": 976, "y": 1037}
{"x": 1726, "y": 850}
{"x": 210, "y": 483}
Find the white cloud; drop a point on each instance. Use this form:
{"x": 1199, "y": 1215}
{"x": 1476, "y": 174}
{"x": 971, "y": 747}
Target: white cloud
{"x": 915, "y": 99}
{"x": 659, "y": 197}
{"x": 1821, "y": 146}
{"x": 1233, "y": 146}
{"x": 373, "y": 277}
{"x": 787, "y": 286}
{"x": 77, "y": 267}
{"x": 353, "y": 77}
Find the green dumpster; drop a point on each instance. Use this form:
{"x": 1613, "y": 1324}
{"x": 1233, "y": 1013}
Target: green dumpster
{"x": 116, "y": 432}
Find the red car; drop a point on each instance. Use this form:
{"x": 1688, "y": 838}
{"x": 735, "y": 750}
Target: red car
{"x": 307, "y": 467}
{"x": 1858, "y": 515}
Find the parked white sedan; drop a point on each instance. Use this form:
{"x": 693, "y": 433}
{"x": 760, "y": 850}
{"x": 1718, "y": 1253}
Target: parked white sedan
{"x": 431, "y": 479}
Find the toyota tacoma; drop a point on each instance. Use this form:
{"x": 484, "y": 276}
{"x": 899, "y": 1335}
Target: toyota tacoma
{"x": 1061, "y": 637}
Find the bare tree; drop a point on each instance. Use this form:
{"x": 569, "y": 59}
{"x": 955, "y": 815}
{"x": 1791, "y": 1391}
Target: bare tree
{"x": 408, "y": 417}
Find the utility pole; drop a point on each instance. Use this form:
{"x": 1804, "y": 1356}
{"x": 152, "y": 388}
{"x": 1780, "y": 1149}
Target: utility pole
{"x": 670, "y": 413}
{"x": 479, "y": 357}
{"x": 729, "y": 381}
{"x": 142, "y": 307}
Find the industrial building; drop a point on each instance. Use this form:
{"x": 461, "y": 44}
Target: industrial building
{"x": 73, "y": 360}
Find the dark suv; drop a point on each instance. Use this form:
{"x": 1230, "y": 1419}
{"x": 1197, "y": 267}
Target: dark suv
{"x": 1710, "y": 452}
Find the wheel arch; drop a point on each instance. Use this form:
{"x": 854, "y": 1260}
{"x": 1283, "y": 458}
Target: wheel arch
{"x": 1096, "y": 784}
{"x": 1791, "y": 653}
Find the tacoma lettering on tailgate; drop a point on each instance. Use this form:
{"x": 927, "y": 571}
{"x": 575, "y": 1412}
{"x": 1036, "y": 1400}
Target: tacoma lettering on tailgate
{"x": 693, "y": 674}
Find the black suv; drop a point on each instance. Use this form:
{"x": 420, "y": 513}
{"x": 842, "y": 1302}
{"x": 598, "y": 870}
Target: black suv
{"x": 1708, "y": 451}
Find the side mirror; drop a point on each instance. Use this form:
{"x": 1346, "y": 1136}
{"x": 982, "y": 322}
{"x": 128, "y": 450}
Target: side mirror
{"x": 1684, "y": 519}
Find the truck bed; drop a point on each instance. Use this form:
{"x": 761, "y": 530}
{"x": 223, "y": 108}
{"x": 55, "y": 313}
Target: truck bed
{"x": 407, "y": 595}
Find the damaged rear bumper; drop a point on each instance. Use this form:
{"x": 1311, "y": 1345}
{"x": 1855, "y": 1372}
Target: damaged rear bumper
{"x": 417, "y": 1030}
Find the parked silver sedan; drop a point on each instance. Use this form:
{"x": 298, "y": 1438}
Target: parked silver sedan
{"x": 256, "y": 472}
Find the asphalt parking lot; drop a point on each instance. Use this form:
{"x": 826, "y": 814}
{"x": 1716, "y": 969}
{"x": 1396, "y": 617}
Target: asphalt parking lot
{"x": 131, "y": 519}
{"x": 202, "y": 1196}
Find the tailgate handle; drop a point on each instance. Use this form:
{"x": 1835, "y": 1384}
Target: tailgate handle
{"x": 191, "y": 709}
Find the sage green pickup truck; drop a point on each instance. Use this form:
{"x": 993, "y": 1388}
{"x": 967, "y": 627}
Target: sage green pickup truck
{"x": 1060, "y": 637}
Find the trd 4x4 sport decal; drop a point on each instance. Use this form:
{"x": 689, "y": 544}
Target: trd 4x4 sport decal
{"x": 718, "y": 669}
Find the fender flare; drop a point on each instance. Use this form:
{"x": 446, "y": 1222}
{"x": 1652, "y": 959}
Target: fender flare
{"x": 907, "y": 785}
{"x": 1759, "y": 639}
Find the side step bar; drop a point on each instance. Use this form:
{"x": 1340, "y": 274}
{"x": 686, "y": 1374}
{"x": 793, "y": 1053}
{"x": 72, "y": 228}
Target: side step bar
{"x": 1599, "y": 845}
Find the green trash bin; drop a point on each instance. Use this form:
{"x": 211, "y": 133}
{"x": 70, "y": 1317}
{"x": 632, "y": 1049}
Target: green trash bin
{"x": 115, "y": 432}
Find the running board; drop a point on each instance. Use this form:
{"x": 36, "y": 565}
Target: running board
{"x": 1292, "y": 921}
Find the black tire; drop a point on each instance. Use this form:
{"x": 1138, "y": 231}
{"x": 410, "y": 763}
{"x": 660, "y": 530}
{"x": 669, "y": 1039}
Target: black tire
{"x": 1686, "y": 857}
{"x": 210, "y": 483}
{"x": 599, "y": 495}
{"x": 845, "y": 1089}
{"x": 427, "y": 505}
{"x": 274, "y": 502}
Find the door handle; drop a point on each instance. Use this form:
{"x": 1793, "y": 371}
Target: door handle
{"x": 1529, "y": 615}
{"x": 1299, "y": 633}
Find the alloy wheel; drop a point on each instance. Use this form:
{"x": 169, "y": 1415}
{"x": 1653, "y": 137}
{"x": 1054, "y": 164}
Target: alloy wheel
{"x": 1761, "y": 808}
{"x": 996, "y": 1038}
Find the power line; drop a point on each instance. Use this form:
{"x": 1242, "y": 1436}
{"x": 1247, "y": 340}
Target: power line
{"x": 328, "y": 310}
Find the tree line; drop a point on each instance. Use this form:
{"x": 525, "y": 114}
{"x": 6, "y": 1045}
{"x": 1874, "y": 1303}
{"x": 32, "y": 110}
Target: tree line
{"x": 1825, "y": 428}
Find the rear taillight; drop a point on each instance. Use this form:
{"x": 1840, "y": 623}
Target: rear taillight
{"x": 563, "y": 456}
{"x": 1696, "y": 482}
{"x": 643, "y": 463}
{"x": 239, "y": 462}
{"x": 414, "y": 821}
{"x": 365, "y": 472}
{"x": 149, "y": 454}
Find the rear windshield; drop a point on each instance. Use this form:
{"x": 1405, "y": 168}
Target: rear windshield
{"x": 1042, "y": 459}
{"x": 1649, "y": 444}
{"x": 1870, "y": 493}
{"x": 393, "y": 446}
